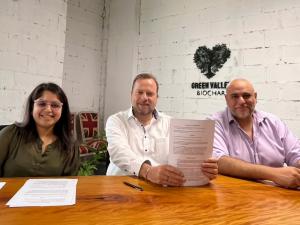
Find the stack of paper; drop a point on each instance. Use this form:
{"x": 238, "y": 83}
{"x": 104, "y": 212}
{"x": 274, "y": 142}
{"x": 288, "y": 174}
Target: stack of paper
{"x": 191, "y": 142}
{"x": 45, "y": 192}
{"x": 2, "y": 184}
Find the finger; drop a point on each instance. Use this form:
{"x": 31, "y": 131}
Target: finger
{"x": 211, "y": 160}
{"x": 297, "y": 180}
{"x": 171, "y": 176}
{"x": 175, "y": 178}
{"x": 211, "y": 173}
{"x": 210, "y": 170}
{"x": 209, "y": 165}
{"x": 173, "y": 181}
{"x": 210, "y": 176}
{"x": 165, "y": 171}
{"x": 163, "y": 178}
{"x": 173, "y": 170}
{"x": 298, "y": 184}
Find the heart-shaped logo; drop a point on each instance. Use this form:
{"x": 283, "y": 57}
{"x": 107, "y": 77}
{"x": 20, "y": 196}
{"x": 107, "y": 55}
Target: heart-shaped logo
{"x": 210, "y": 61}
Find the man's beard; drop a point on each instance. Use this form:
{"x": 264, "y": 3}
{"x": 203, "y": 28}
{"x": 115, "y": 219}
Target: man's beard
{"x": 244, "y": 114}
{"x": 142, "y": 111}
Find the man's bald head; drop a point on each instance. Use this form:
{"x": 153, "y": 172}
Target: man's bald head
{"x": 239, "y": 82}
{"x": 241, "y": 99}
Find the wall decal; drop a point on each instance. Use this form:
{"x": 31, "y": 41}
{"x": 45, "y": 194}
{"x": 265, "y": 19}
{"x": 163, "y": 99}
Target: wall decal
{"x": 209, "y": 61}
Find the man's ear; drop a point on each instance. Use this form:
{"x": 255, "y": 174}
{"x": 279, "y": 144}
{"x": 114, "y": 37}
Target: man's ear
{"x": 255, "y": 95}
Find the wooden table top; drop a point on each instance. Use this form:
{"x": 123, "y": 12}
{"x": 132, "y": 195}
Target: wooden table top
{"x": 106, "y": 200}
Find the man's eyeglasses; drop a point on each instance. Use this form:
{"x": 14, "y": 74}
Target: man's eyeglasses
{"x": 55, "y": 105}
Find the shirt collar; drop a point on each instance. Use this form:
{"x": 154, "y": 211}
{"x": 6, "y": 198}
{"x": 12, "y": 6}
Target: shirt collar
{"x": 259, "y": 117}
{"x": 229, "y": 116}
{"x": 130, "y": 115}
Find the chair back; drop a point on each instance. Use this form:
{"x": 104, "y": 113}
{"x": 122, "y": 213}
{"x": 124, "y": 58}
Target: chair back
{"x": 89, "y": 125}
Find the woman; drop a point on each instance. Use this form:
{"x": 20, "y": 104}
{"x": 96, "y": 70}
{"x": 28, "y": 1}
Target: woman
{"x": 42, "y": 144}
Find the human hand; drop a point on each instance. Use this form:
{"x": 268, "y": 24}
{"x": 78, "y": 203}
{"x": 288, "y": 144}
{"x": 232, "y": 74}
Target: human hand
{"x": 210, "y": 168}
{"x": 288, "y": 177}
{"x": 298, "y": 164}
{"x": 166, "y": 175}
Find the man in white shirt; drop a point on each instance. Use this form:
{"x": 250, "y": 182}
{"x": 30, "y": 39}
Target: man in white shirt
{"x": 138, "y": 139}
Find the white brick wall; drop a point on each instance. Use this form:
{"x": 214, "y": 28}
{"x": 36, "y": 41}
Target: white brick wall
{"x": 122, "y": 54}
{"x": 158, "y": 36}
{"x": 263, "y": 35}
{"x": 32, "y": 38}
{"x": 36, "y": 47}
{"x": 84, "y": 59}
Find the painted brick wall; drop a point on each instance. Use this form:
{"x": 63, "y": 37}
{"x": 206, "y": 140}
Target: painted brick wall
{"x": 263, "y": 35}
{"x": 264, "y": 38}
{"x": 121, "y": 54}
{"x": 84, "y": 60}
{"x": 32, "y": 38}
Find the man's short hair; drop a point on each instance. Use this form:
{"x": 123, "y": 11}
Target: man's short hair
{"x": 142, "y": 76}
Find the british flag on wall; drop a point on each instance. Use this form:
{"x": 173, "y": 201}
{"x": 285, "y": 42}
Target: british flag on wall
{"x": 89, "y": 125}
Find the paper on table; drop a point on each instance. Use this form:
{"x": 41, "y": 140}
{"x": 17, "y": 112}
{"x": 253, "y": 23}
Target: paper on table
{"x": 2, "y": 184}
{"x": 45, "y": 192}
{"x": 191, "y": 142}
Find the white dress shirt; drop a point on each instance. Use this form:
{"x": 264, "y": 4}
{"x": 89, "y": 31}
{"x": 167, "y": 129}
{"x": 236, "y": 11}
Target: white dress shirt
{"x": 130, "y": 143}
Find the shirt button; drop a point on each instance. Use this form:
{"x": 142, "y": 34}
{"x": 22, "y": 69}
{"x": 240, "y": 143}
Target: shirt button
{"x": 145, "y": 149}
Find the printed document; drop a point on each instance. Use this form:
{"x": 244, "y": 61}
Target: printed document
{"x": 45, "y": 192}
{"x": 191, "y": 142}
{"x": 2, "y": 184}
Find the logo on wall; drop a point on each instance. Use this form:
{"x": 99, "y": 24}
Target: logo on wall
{"x": 209, "y": 61}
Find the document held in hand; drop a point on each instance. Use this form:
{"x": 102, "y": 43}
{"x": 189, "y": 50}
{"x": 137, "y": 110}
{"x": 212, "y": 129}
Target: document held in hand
{"x": 191, "y": 142}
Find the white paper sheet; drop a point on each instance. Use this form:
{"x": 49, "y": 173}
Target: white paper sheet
{"x": 45, "y": 192}
{"x": 2, "y": 184}
{"x": 191, "y": 142}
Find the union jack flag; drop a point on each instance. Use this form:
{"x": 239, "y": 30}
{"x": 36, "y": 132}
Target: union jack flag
{"x": 89, "y": 124}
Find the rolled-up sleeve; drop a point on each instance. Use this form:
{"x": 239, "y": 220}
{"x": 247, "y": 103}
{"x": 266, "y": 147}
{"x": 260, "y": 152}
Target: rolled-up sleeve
{"x": 291, "y": 146}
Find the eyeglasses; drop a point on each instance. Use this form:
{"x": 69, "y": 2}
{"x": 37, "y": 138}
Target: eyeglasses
{"x": 55, "y": 105}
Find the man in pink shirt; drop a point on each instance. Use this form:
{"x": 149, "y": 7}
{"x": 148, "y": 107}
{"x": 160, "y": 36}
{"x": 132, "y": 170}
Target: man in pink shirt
{"x": 253, "y": 144}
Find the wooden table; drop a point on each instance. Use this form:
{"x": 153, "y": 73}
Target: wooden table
{"x": 106, "y": 200}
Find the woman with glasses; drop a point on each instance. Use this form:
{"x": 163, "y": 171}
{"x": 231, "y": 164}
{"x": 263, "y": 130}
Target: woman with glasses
{"x": 41, "y": 145}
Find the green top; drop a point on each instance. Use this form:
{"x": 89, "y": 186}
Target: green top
{"x": 19, "y": 158}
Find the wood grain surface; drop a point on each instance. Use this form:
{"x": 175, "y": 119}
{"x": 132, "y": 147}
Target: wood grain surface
{"x": 106, "y": 200}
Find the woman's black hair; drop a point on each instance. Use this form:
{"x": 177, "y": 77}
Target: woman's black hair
{"x": 62, "y": 128}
